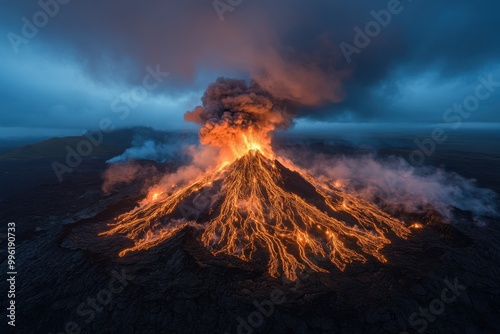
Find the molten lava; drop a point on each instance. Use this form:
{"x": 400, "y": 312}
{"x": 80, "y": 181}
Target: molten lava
{"x": 259, "y": 206}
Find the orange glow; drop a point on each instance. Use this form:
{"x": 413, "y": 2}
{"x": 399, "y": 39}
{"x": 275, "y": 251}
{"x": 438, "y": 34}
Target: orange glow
{"x": 249, "y": 140}
{"x": 155, "y": 196}
{"x": 255, "y": 212}
{"x": 416, "y": 225}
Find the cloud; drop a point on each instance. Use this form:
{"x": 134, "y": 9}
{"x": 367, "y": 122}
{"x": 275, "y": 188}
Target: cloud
{"x": 290, "y": 49}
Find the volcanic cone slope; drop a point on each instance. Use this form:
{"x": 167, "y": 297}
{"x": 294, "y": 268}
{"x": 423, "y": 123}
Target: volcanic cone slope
{"x": 259, "y": 208}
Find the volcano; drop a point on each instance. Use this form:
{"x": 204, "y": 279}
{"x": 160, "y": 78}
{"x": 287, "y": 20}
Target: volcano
{"x": 256, "y": 207}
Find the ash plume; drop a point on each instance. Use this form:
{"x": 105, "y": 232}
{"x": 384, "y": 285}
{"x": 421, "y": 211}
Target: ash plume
{"x": 231, "y": 107}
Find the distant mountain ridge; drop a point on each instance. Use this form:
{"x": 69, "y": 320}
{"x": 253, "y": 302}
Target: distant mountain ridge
{"x": 114, "y": 143}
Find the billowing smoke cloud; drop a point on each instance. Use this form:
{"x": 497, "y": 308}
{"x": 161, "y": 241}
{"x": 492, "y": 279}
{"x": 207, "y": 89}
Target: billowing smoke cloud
{"x": 232, "y": 110}
{"x": 160, "y": 184}
{"x": 153, "y": 146}
{"x": 402, "y": 186}
{"x": 195, "y": 160}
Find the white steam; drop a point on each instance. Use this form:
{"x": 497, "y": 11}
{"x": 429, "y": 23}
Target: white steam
{"x": 149, "y": 150}
{"x": 400, "y": 185}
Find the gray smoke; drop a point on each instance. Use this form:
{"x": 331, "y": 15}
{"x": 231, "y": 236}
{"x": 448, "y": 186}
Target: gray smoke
{"x": 402, "y": 186}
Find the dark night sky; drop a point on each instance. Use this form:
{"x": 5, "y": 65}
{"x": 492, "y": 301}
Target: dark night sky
{"x": 79, "y": 65}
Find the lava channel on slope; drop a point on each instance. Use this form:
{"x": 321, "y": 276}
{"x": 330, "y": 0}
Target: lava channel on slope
{"x": 259, "y": 205}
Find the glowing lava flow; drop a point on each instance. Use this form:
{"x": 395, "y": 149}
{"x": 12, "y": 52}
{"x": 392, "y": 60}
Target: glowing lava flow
{"x": 255, "y": 212}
